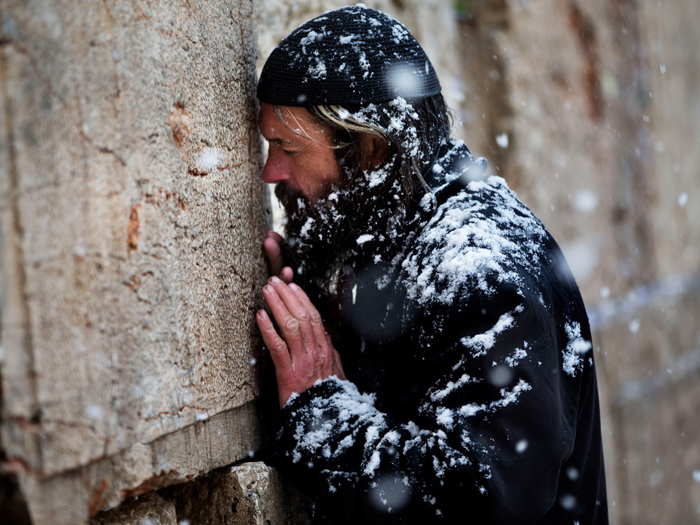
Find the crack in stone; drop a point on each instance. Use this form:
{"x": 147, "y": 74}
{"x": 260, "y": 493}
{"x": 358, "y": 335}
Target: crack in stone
{"x": 585, "y": 32}
{"x": 102, "y": 149}
{"x": 17, "y": 232}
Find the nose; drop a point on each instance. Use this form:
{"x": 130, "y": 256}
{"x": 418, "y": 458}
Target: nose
{"x": 276, "y": 169}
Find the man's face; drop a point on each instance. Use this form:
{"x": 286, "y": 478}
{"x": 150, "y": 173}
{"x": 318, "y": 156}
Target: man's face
{"x": 300, "y": 156}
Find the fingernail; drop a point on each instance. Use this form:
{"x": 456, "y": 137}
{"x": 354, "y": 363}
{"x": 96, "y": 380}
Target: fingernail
{"x": 267, "y": 289}
{"x": 294, "y": 287}
{"x": 275, "y": 279}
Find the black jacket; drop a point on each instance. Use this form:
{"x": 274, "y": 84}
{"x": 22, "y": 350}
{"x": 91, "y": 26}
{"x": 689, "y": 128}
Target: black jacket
{"x": 471, "y": 394}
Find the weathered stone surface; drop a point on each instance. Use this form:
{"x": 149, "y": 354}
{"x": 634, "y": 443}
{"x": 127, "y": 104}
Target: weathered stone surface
{"x": 673, "y": 122}
{"x": 247, "y": 494}
{"x": 266, "y": 496}
{"x": 559, "y": 153}
{"x": 72, "y": 497}
{"x": 131, "y": 222}
{"x": 149, "y": 510}
{"x": 659, "y": 448}
{"x": 484, "y": 114}
{"x": 662, "y": 456}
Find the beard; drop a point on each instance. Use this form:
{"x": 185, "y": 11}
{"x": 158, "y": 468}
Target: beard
{"x": 359, "y": 222}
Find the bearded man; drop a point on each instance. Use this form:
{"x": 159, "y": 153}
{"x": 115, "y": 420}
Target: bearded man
{"x": 431, "y": 348}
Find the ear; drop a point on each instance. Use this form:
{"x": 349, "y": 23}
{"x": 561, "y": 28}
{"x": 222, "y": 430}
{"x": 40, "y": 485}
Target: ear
{"x": 374, "y": 150}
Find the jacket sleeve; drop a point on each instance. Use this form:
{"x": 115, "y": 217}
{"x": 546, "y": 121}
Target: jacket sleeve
{"x": 490, "y": 433}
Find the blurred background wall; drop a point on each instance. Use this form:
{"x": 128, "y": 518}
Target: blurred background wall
{"x": 116, "y": 116}
{"x": 590, "y": 110}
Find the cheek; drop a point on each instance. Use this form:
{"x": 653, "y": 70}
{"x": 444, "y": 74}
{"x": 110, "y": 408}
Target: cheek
{"x": 311, "y": 171}
{"x": 324, "y": 168}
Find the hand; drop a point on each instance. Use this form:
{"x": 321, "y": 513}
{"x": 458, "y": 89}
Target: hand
{"x": 273, "y": 253}
{"x": 304, "y": 352}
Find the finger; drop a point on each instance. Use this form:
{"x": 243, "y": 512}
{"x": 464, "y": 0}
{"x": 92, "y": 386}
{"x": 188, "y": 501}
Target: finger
{"x": 299, "y": 311}
{"x": 287, "y": 274}
{"x": 275, "y": 344}
{"x": 273, "y": 252}
{"x": 289, "y": 325}
{"x": 314, "y": 315}
{"x": 290, "y": 299}
{"x": 304, "y": 300}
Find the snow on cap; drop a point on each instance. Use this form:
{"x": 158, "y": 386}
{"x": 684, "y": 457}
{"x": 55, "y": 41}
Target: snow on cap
{"x": 350, "y": 56}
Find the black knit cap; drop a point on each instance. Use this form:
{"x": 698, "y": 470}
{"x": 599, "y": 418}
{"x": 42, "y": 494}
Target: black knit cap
{"x": 351, "y": 56}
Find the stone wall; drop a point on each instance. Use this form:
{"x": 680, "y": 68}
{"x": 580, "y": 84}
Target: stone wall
{"x": 131, "y": 216}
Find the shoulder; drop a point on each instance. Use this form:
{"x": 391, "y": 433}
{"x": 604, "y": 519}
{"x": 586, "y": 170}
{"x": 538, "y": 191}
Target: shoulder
{"x": 479, "y": 236}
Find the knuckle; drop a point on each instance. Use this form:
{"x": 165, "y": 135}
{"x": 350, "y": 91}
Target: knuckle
{"x": 279, "y": 346}
{"x": 291, "y": 324}
{"x": 315, "y": 318}
{"x": 321, "y": 356}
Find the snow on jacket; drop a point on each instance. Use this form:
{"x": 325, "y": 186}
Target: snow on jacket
{"x": 471, "y": 394}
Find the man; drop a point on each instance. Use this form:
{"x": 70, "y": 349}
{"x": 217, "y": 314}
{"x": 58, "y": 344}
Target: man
{"x": 431, "y": 349}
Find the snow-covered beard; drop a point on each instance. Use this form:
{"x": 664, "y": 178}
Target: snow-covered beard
{"x": 360, "y": 221}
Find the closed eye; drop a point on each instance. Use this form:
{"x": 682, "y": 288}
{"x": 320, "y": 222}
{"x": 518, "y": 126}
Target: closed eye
{"x": 276, "y": 143}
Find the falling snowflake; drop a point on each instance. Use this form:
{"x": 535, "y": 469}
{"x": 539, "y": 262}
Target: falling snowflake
{"x": 502, "y": 140}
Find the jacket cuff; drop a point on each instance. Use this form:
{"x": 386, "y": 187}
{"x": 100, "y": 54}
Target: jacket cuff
{"x": 323, "y": 388}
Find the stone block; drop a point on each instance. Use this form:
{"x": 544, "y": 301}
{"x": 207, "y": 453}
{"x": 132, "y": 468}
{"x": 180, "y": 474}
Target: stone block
{"x": 132, "y": 215}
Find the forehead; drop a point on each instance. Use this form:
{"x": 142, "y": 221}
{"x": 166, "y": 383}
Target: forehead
{"x": 270, "y": 123}
{"x": 286, "y": 122}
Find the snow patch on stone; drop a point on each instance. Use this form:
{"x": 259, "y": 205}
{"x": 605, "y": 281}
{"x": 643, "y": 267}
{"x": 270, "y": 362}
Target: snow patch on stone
{"x": 209, "y": 159}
